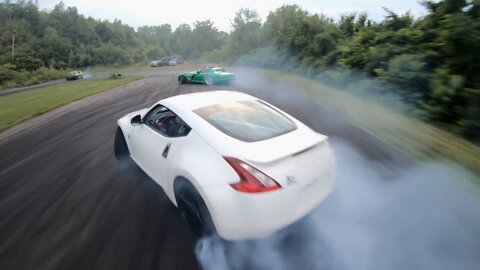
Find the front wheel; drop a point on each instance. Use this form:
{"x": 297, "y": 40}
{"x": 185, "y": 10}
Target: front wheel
{"x": 182, "y": 80}
{"x": 194, "y": 210}
{"x": 120, "y": 146}
{"x": 208, "y": 80}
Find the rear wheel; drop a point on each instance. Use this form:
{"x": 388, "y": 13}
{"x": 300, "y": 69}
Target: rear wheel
{"x": 193, "y": 208}
{"x": 121, "y": 148}
{"x": 208, "y": 80}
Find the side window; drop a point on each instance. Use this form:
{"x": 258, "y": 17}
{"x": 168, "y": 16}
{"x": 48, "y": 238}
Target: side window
{"x": 166, "y": 122}
{"x": 154, "y": 114}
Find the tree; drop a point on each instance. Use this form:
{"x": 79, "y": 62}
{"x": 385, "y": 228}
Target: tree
{"x": 246, "y": 32}
{"x": 157, "y": 35}
{"x": 182, "y": 40}
{"x": 409, "y": 74}
{"x": 207, "y": 38}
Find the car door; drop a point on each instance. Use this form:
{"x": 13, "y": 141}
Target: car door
{"x": 200, "y": 75}
{"x": 153, "y": 139}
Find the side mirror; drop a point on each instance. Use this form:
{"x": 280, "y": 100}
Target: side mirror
{"x": 136, "y": 120}
{"x": 198, "y": 71}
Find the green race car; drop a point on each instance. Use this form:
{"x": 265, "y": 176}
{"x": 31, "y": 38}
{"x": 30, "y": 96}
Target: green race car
{"x": 75, "y": 75}
{"x": 207, "y": 75}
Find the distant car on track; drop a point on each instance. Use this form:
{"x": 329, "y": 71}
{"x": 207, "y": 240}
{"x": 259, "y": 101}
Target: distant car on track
{"x": 164, "y": 61}
{"x": 154, "y": 63}
{"x": 75, "y": 75}
{"x": 207, "y": 75}
{"x": 230, "y": 162}
{"x": 178, "y": 59}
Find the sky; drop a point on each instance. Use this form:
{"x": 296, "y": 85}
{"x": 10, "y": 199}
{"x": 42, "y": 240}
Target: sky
{"x": 221, "y": 12}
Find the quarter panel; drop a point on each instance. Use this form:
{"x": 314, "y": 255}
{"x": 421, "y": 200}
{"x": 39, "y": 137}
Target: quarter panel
{"x": 198, "y": 162}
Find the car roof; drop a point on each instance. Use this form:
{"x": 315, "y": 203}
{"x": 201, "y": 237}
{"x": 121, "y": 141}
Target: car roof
{"x": 198, "y": 100}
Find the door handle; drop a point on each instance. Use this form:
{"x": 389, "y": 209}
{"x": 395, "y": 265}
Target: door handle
{"x": 165, "y": 150}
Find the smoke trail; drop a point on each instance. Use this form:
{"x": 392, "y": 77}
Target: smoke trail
{"x": 386, "y": 212}
{"x": 425, "y": 218}
{"x": 87, "y": 73}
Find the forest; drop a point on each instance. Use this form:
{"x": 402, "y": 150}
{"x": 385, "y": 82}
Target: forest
{"x": 429, "y": 64}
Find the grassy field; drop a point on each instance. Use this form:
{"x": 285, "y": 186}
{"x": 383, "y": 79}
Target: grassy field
{"x": 415, "y": 138}
{"x": 25, "y": 78}
{"x": 18, "y": 107}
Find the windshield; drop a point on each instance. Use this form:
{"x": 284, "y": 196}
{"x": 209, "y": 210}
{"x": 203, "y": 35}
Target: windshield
{"x": 248, "y": 121}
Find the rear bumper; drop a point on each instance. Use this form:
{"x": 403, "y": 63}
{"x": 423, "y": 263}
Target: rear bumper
{"x": 238, "y": 215}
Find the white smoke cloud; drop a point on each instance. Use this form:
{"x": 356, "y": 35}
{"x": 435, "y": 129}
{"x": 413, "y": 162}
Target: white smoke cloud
{"x": 426, "y": 217}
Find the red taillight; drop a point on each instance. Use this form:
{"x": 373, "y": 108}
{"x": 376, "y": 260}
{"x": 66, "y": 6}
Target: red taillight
{"x": 251, "y": 179}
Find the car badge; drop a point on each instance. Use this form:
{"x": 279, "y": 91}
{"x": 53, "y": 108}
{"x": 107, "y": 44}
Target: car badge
{"x": 291, "y": 180}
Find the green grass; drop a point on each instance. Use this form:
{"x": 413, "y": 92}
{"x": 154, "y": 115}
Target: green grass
{"x": 15, "y": 78}
{"x": 19, "y": 107}
{"x": 418, "y": 139}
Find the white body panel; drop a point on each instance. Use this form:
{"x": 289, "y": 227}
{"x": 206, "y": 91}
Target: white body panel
{"x": 241, "y": 215}
{"x": 300, "y": 161}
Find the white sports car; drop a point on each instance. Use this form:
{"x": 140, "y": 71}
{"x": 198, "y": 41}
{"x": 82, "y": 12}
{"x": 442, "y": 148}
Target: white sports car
{"x": 231, "y": 163}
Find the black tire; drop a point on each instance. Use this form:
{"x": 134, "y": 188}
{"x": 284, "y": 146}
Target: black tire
{"x": 208, "y": 80}
{"x": 120, "y": 147}
{"x": 193, "y": 208}
{"x": 182, "y": 79}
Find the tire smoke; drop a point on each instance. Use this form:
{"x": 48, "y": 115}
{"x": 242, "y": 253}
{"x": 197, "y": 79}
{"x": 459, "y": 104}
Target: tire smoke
{"x": 387, "y": 212}
{"x": 427, "y": 217}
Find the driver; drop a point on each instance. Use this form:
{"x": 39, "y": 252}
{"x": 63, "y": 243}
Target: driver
{"x": 164, "y": 123}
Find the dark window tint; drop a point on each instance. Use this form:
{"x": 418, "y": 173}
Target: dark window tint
{"x": 164, "y": 121}
{"x": 249, "y": 121}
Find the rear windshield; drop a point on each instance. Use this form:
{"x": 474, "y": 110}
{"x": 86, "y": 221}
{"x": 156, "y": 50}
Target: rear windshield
{"x": 249, "y": 121}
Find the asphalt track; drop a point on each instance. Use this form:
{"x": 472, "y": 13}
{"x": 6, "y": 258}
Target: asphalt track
{"x": 66, "y": 203}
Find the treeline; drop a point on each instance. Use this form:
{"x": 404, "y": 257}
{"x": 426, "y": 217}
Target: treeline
{"x": 431, "y": 63}
{"x": 184, "y": 40}
{"x": 46, "y": 42}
